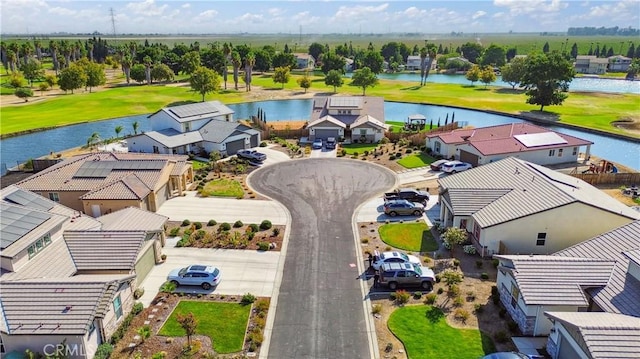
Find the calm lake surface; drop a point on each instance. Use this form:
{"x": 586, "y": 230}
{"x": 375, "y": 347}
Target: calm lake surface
{"x": 19, "y": 149}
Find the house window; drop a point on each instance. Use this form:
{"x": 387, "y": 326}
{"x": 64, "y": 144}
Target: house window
{"x": 436, "y": 147}
{"x": 156, "y": 149}
{"x": 187, "y": 127}
{"x": 117, "y": 307}
{"x": 541, "y": 239}
{"x": 552, "y": 153}
{"x": 560, "y": 152}
{"x": 363, "y": 132}
{"x": 2, "y": 351}
{"x": 476, "y": 231}
{"x": 39, "y": 245}
{"x": 54, "y": 196}
{"x": 575, "y": 151}
{"x": 92, "y": 327}
{"x": 515, "y": 293}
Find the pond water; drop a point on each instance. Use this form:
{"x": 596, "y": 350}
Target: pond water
{"x": 19, "y": 149}
{"x": 578, "y": 84}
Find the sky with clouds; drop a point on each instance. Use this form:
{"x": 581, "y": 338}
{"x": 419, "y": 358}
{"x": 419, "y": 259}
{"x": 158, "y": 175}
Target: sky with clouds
{"x": 232, "y": 17}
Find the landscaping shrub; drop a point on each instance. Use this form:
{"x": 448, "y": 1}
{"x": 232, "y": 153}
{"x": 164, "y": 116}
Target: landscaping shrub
{"x": 458, "y": 301}
{"x": 187, "y": 233}
{"x": 364, "y": 240}
{"x": 417, "y": 295}
{"x": 471, "y": 296}
{"x": 225, "y": 226}
{"x": 461, "y": 315}
{"x": 266, "y": 224}
{"x": 276, "y": 232}
{"x": 263, "y": 246}
{"x": 343, "y": 152}
{"x": 174, "y": 232}
{"x": 484, "y": 275}
{"x": 167, "y": 287}
{"x": 388, "y": 348}
{"x": 501, "y": 337}
{"x": 513, "y": 326}
{"x": 431, "y": 298}
{"x": 159, "y": 355}
{"x": 440, "y": 290}
{"x": 469, "y": 249}
{"x": 138, "y": 293}
{"x": 198, "y": 225}
{"x": 200, "y": 234}
{"x": 238, "y": 224}
{"x": 248, "y": 298}
{"x": 263, "y": 144}
{"x": 408, "y": 150}
{"x": 496, "y": 299}
{"x": 494, "y": 291}
{"x": 479, "y": 264}
{"x": 454, "y": 291}
{"x": 384, "y": 140}
{"x": 478, "y": 308}
{"x": 185, "y": 223}
{"x": 502, "y": 313}
{"x": 402, "y": 297}
{"x": 376, "y": 309}
{"x": 393, "y": 296}
{"x": 456, "y": 263}
{"x": 104, "y": 351}
{"x": 495, "y": 263}
{"x": 261, "y": 306}
{"x": 212, "y": 222}
{"x": 254, "y": 227}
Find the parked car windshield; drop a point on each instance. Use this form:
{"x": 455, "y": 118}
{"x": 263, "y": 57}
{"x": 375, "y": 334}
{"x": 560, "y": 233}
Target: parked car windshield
{"x": 417, "y": 269}
{"x": 216, "y": 272}
{"x": 182, "y": 271}
{"x": 404, "y": 256}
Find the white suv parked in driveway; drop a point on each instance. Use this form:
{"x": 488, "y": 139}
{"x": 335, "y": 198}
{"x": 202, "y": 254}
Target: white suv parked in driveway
{"x": 455, "y": 166}
{"x": 394, "y": 257}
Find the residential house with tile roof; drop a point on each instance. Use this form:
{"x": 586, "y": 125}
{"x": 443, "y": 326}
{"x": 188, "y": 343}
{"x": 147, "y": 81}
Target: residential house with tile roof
{"x": 525, "y": 141}
{"x": 601, "y": 274}
{"x": 589, "y": 64}
{"x": 356, "y": 118}
{"x": 593, "y": 335}
{"x": 305, "y": 61}
{"x": 105, "y": 182}
{"x": 516, "y": 207}
{"x": 68, "y": 276}
{"x": 195, "y": 128}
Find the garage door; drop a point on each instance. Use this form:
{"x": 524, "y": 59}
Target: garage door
{"x": 566, "y": 350}
{"x": 325, "y": 133}
{"x": 145, "y": 262}
{"x": 162, "y": 195}
{"x": 254, "y": 140}
{"x": 234, "y": 146}
{"x": 469, "y": 157}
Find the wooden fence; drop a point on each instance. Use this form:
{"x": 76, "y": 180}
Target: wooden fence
{"x": 418, "y": 139}
{"x": 609, "y": 178}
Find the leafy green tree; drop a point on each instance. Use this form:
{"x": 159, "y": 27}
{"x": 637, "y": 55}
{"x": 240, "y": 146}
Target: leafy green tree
{"x": 51, "y": 80}
{"x": 494, "y": 55}
{"x": 574, "y": 50}
{"x": 332, "y": 61}
{"x": 547, "y": 78}
{"x": 213, "y": 59}
{"x": 634, "y": 68}
{"x": 472, "y": 51}
{"x": 161, "y": 72}
{"x": 204, "y": 81}
{"x": 454, "y": 236}
{"x": 263, "y": 60}
{"x": 473, "y": 74}
{"x": 512, "y": 72}
{"x": 144, "y": 332}
{"x": 451, "y": 277}
{"x": 373, "y": 60}
{"x": 16, "y": 80}
{"x": 305, "y": 82}
{"x": 487, "y": 75}
{"x": 95, "y": 75}
{"x": 189, "y": 323}
{"x": 24, "y": 93}
{"x": 316, "y": 49}
{"x": 71, "y": 78}
{"x": 364, "y": 78}
{"x": 43, "y": 86}
{"x": 334, "y": 78}
{"x": 138, "y": 73}
{"x": 284, "y": 59}
{"x": 190, "y": 62}
{"x": 32, "y": 70}
{"x": 282, "y": 75}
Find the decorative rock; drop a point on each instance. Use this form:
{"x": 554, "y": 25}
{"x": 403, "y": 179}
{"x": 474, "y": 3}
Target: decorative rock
{"x": 251, "y": 355}
{"x": 377, "y": 316}
{"x": 137, "y": 337}
{"x": 146, "y": 322}
{"x": 169, "y": 340}
{"x": 151, "y": 316}
{"x": 159, "y": 304}
{"x": 400, "y": 351}
{"x": 132, "y": 345}
{"x": 154, "y": 310}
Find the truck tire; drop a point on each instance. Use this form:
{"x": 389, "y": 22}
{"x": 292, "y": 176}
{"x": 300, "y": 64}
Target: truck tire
{"x": 427, "y": 285}
{"x": 417, "y": 213}
{"x": 393, "y": 214}
{"x": 393, "y": 285}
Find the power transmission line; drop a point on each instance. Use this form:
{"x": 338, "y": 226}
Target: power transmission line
{"x": 113, "y": 22}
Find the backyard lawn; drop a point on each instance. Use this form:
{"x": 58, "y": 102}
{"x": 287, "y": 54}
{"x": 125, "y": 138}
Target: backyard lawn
{"x": 416, "y": 160}
{"x": 223, "y": 188}
{"x": 414, "y": 237}
{"x": 224, "y": 323}
{"x": 426, "y": 335}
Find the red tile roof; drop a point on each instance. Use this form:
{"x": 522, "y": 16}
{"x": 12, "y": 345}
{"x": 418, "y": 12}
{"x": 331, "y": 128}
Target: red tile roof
{"x": 500, "y": 139}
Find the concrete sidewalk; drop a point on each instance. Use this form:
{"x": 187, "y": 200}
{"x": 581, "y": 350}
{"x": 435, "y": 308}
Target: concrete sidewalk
{"x": 418, "y": 175}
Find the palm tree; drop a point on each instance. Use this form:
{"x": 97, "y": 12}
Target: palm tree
{"x": 90, "y": 48}
{"x": 93, "y": 140}
{"x": 248, "y": 69}
{"x": 147, "y": 69}
{"x": 65, "y": 49}
{"x": 431, "y": 52}
{"x": 3, "y": 56}
{"x": 226, "y": 50}
{"x": 133, "y": 46}
{"x": 423, "y": 64}
{"x": 15, "y": 48}
{"x": 38, "y": 45}
{"x": 53, "y": 47}
{"x": 126, "y": 67}
{"x": 236, "y": 62}
{"x": 11, "y": 59}
{"x": 118, "y": 129}
{"x": 27, "y": 51}
{"x": 135, "y": 127}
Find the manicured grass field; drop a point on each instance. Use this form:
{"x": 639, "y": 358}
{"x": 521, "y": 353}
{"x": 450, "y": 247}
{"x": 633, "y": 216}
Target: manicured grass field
{"x": 414, "y": 237}
{"x": 591, "y": 110}
{"x": 416, "y": 160}
{"x": 224, "y": 323}
{"x": 198, "y": 164}
{"x": 359, "y": 147}
{"x": 223, "y": 188}
{"x": 426, "y": 335}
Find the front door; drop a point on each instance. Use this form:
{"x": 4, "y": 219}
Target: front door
{"x": 95, "y": 210}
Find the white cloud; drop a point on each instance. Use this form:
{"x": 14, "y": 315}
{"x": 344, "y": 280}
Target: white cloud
{"x": 250, "y": 18}
{"x": 478, "y": 14}
{"x": 186, "y": 6}
{"x": 61, "y": 11}
{"x": 206, "y": 15}
{"x": 146, "y": 8}
{"x": 413, "y": 12}
{"x": 350, "y": 14}
{"x": 519, "y": 7}
{"x": 276, "y": 12}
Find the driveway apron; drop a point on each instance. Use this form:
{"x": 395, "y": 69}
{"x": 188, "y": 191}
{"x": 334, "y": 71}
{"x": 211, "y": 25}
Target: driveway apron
{"x": 320, "y": 304}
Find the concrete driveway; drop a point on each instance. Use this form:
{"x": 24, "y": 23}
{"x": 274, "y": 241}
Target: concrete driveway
{"x": 323, "y": 153}
{"x": 372, "y": 211}
{"x": 273, "y": 155}
{"x": 322, "y": 309}
{"x": 243, "y": 271}
{"x": 222, "y": 209}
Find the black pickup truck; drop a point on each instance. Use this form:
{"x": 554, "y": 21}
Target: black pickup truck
{"x": 409, "y": 194}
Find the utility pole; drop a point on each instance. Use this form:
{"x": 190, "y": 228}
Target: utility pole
{"x": 113, "y": 22}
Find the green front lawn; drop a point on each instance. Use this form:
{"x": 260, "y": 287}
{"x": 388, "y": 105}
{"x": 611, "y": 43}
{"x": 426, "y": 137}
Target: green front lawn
{"x": 223, "y": 187}
{"x": 414, "y": 237}
{"x": 416, "y": 160}
{"x": 359, "y": 147}
{"x": 198, "y": 164}
{"x": 224, "y": 323}
{"x": 426, "y": 335}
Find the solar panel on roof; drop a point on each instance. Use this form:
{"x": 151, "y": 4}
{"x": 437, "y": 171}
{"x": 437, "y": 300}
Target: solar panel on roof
{"x": 94, "y": 169}
{"x": 344, "y": 101}
{"x": 29, "y": 199}
{"x": 194, "y": 109}
{"x": 15, "y": 222}
{"x": 540, "y": 139}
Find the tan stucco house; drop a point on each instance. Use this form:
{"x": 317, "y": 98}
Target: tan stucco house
{"x": 516, "y": 207}
{"x": 105, "y": 182}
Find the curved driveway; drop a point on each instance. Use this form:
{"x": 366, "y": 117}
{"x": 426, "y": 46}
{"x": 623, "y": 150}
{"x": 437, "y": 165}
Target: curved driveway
{"x": 320, "y": 313}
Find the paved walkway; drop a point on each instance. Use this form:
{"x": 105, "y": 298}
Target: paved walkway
{"x": 418, "y": 175}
